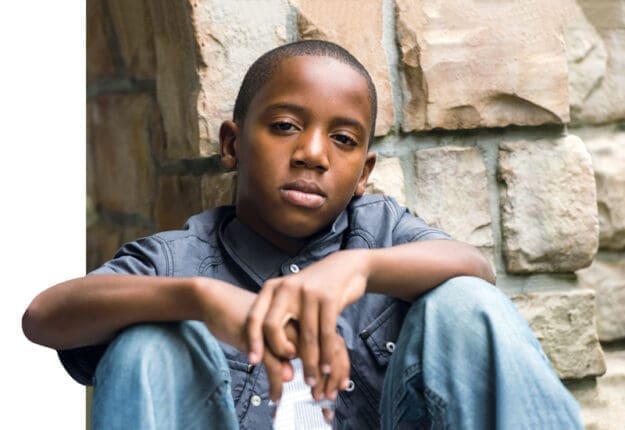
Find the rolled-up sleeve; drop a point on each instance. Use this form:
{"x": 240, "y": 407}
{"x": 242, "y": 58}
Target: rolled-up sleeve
{"x": 410, "y": 228}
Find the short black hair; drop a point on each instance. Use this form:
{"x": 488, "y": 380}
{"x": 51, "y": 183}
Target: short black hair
{"x": 261, "y": 71}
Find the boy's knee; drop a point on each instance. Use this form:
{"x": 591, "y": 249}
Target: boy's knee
{"x": 462, "y": 302}
{"x": 463, "y": 292}
{"x": 135, "y": 347}
{"x": 143, "y": 349}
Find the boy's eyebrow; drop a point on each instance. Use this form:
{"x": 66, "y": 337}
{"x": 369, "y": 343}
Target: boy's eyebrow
{"x": 301, "y": 110}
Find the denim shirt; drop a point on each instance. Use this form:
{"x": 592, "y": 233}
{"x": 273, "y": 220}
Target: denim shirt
{"x": 216, "y": 245}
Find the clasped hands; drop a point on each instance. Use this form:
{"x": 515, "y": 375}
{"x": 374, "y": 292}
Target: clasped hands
{"x": 295, "y": 316}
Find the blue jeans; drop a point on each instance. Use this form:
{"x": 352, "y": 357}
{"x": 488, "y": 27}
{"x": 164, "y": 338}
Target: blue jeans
{"x": 465, "y": 359}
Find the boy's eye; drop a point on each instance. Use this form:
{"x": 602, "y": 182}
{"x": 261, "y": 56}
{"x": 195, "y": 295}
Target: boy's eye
{"x": 344, "y": 139}
{"x": 283, "y": 126}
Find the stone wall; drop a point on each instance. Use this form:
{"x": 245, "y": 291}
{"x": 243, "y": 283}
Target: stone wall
{"x": 501, "y": 122}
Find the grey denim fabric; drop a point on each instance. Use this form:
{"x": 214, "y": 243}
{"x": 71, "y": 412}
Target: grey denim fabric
{"x": 216, "y": 245}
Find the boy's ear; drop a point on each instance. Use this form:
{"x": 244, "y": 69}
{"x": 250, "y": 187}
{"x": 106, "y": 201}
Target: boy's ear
{"x": 229, "y": 144}
{"x": 366, "y": 171}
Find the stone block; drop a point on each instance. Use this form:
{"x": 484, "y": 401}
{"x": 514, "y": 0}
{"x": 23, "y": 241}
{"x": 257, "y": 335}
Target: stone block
{"x": 102, "y": 243}
{"x": 451, "y": 193}
{"x": 388, "y": 178}
{"x": 204, "y": 49}
{"x": 342, "y": 22}
{"x": 607, "y": 149}
{"x": 605, "y": 101}
{"x": 481, "y": 63}
{"x": 133, "y": 28}
{"x": 548, "y": 205}
{"x": 564, "y": 323}
{"x": 121, "y": 160}
{"x": 586, "y": 56}
{"x": 178, "y": 198}
{"x": 607, "y": 277}
{"x": 218, "y": 189}
{"x": 602, "y": 400}
{"x": 100, "y": 55}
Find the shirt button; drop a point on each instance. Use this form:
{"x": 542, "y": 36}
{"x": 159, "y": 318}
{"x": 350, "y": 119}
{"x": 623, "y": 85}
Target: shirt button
{"x": 294, "y": 268}
{"x": 390, "y": 347}
{"x": 255, "y": 400}
{"x": 350, "y": 386}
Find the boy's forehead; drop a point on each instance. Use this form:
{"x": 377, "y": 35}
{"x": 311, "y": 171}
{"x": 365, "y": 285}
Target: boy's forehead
{"x": 309, "y": 73}
{"x": 319, "y": 67}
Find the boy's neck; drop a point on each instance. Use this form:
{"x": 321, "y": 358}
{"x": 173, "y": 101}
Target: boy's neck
{"x": 290, "y": 245}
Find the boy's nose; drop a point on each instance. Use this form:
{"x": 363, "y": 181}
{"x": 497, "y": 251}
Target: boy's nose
{"x": 311, "y": 152}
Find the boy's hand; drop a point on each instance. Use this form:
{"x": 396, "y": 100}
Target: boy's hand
{"x": 314, "y": 298}
{"x": 227, "y": 323}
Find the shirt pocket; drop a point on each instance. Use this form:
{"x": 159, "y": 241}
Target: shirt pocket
{"x": 380, "y": 335}
{"x": 240, "y": 369}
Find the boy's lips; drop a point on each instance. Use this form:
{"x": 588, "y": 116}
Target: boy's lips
{"x": 303, "y": 193}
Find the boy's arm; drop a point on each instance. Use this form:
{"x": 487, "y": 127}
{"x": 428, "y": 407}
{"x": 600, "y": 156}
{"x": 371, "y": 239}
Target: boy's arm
{"x": 92, "y": 309}
{"x": 406, "y": 271}
{"x": 317, "y": 294}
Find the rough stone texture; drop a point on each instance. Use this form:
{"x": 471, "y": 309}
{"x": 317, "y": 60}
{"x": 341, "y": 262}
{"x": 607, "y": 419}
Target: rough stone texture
{"x": 388, "y": 178}
{"x": 602, "y": 399}
{"x": 177, "y": 78}
{"x": 102, "y": 242}
{"x": 451, "y": 193}
{"x": 607, "y": 277}
{"x": 342, "y": 22}
{"x": 203, "y": 50}
{"x": 133, "y": 28}
{"x": 548, "y": 205}
{"x": 586, "y": 55}
{"x": 120, "y": 146}
{"x": 100, "y": 56}
{"x": 564, "y": 323}
{"x": 482, "y": 64}
{"x": 177, "y": 199}
{"x": 605, "y": 101}
{"x": 218, "y": 189}
{"x": 607, "y": 149}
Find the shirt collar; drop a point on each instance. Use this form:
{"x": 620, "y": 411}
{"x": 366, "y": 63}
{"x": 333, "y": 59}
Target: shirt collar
{"x": 262, "y": 260}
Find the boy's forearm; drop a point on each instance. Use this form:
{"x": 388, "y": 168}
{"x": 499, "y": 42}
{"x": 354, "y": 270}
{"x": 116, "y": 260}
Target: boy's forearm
{"x": 91, "y": 310}
{"x": 409, "y": 270}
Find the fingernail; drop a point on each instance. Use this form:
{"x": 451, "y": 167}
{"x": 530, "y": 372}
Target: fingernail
{"x": 311, "y": 381}
{"x": 252, "y": 357}
{"x": 333, "y": 395}
{"x": 273, "y": 407}
{"x": 326, "y": 369}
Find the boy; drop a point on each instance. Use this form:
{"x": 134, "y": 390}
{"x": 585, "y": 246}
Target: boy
{"x": 304, "y": 266}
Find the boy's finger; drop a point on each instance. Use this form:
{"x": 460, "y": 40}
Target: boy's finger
{"x": 327, "y": 336}
{"x": 276, "y": 372}
{"x": 279, "y": 316}
{"x": 254, "y": 323}
{"x": 309, "y": 341}
{"x": 328, "y": 415}
{"x": 340, "y": 369}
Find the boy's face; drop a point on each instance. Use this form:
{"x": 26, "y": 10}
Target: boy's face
{"x": 302, "y": 152}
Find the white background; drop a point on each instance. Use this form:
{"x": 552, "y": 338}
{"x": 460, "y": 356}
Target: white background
{"x": 42, "y": 199}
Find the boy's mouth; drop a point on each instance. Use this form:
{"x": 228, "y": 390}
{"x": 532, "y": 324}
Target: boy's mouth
{"x": 304, "y": 194}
